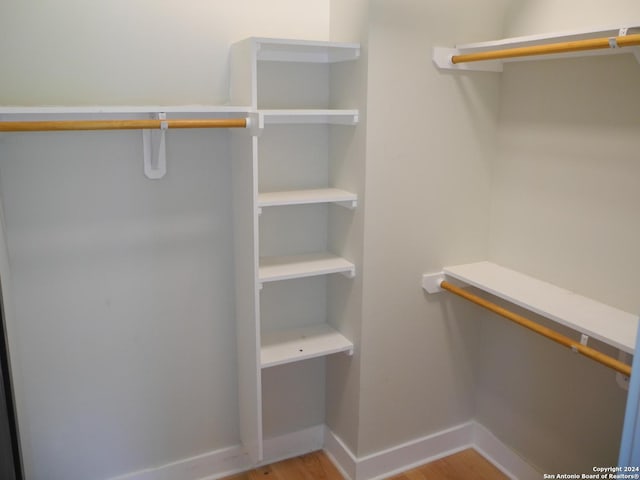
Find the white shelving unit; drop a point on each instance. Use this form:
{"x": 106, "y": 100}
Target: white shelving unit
{"x": 597, "y": 320}
{"x": 442, "y": 55}
{"x": 269, "y": 335}
{"x": 261, "y": 345}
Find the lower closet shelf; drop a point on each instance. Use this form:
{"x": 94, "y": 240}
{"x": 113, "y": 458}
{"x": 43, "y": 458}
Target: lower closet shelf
{"x": 597, "y": 320}
{"x": 317, "y": 116}
{"x": 293, "y": 345}
{"x": 273, "y": 269}
{"x": 307, "y": 197}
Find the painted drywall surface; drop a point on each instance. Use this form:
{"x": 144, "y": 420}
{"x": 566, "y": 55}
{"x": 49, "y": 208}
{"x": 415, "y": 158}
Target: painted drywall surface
{"x": 349, "y": 23}
{"x": 137, "y": 52}
{"x": 430, "y": 140}
{"x": 564, "y": 209}
{"x": 529, "y": 17}
{"x": 123, "y": 300}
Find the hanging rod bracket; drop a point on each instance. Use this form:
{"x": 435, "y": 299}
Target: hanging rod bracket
{"x": 255, "y": 123}
{"x": 442, "y": 59}
{"x": 431, "y": 282}
{"x": 154, "y": 149}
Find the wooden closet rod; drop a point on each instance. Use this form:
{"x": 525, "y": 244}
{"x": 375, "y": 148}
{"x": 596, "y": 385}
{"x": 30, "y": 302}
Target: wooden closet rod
{"x": 544, "y": 331}
{"x": 562, "y": 47}
{"x": 66, "y": 125}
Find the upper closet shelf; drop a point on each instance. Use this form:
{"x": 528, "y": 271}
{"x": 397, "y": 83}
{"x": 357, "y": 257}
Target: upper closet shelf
{"x": 490, "y": 56}
{"x": 602, "y": 322}
{"x": 107, "y": 112}
{"x": 283, "y": 50}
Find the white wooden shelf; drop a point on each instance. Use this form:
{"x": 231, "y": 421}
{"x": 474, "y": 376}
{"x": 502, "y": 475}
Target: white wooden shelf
{"x": 293, "y": 345}
{"x": 306, "y": 197}
{"x": 597, "y": 320}
{"x": 302, "y": 116}
{"x": 442, "y": 55}
{"x": 283, "y": 50}
{"x": 110, "y": 111}
{"x": 274, "y": 269}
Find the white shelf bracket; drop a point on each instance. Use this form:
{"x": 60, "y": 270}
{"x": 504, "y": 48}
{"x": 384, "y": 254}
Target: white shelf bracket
{"x": 584, "y": 340}
{"x": 154, "y": 149}
{"x": 351, "y": 273}
{"x": 255, "y": 123}
{"x": 351, "y": 205}
{"x": 431, "y": 282}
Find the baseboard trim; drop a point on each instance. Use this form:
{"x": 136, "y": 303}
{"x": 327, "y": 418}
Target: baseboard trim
{"x": 505, "y": 459}
{"x": 423, "y": 450}
{"x": 208, "y": 466}
{"x": 293, "y": 444}
{"x": 340, "y": 454}
{"x": 227, "y": 461}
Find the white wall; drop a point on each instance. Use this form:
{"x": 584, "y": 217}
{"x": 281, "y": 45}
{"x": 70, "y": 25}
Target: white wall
{"x": 455, "y": 173}
{"x": 564, "y": 209}
{"x": 349, "y": 23}
{"x": 123, "y": 287}
{"x": 123, "y": 52}
{"x": 123, "y": 301}
{"x": 526, "y": 17}
{"x": 430, "y": 141}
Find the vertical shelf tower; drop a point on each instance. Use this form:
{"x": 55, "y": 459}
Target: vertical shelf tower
{"x": 283, "y": 196}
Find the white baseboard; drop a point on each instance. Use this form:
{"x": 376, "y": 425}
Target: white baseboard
{"x": 423, "y": 450}
{"x": 227, "y": 461}
{"x": 511, "y": 464}
{"x": 293, "y": 444}
{"x": 207, "y": 466}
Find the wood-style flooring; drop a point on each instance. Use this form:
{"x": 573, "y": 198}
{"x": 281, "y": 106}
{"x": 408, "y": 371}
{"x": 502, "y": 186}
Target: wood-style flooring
{"x": 464, "y": 465}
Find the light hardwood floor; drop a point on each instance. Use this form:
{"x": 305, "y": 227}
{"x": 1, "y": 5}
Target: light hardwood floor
{"x": 465, "y": 465}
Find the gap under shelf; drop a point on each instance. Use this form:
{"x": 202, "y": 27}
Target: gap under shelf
{"x": 597, "y": 320}
{"x": 293, "y": 345}
{"x": 273, "y": 269}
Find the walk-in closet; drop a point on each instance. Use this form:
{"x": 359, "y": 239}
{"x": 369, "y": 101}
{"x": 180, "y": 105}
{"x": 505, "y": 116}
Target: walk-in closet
{"x": 391, "y": 230}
